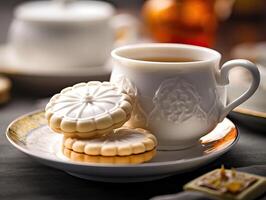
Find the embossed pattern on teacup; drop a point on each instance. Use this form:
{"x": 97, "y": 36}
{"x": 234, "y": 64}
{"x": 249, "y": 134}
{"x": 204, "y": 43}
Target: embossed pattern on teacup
{"x": 138, "y": 116}
{"x": 177, "y": 100}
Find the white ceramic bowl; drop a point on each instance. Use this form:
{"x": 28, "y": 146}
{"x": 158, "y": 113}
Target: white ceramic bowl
{"x": 51, "y": 34}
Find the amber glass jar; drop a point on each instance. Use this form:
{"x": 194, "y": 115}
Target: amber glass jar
{"x": 181, "y": 21}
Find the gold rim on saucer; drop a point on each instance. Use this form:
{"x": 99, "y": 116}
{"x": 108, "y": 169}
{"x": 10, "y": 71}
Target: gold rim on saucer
{"x": 31, "y": 135}
{"x": 247, "y": 111}
{"x": 35, "y": 124}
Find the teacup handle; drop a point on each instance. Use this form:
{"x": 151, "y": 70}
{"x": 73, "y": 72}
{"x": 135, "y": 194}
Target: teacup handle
{"x": 224, "y": 80}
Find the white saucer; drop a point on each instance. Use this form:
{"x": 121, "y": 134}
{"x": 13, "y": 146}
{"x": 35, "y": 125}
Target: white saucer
{"x": 45, "y": 79}
{"x": 31, "y": 135}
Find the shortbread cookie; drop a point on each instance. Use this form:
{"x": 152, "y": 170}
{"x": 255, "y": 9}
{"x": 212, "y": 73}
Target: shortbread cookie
{"x": 88, "y": 109}
{"x": 132, "y": 159}
{"x": 121, "y": 142}
{"x": 5, "y": 86}
{"x": 229, "y": 185}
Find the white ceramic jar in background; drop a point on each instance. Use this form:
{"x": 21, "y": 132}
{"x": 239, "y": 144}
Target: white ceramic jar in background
{"x": 62, "y": 34}
{"x": 178, "y": 101}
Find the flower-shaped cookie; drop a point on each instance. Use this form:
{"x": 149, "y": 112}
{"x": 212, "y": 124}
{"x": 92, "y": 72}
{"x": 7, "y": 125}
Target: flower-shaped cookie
{"x": 88, "y": 109}
{"x": 121, "y": 142}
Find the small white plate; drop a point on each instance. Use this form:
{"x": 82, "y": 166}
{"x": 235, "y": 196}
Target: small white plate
{"x": 31, "y": 135}
{"x": 44, "y": 79}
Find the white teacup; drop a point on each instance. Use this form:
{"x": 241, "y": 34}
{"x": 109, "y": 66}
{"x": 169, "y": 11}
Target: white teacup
{"x": 178, "y": 101}
{"x": 62, "y": 34}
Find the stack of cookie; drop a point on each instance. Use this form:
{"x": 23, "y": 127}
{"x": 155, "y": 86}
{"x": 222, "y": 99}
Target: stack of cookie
{"x": 91, "y": 117}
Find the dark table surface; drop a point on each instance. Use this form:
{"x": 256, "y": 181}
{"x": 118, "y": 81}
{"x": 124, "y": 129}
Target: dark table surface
{"x": 23, "y": 178}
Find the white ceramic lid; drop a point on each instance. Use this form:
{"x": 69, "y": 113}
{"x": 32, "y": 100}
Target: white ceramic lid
{"x": 64, "y": 11}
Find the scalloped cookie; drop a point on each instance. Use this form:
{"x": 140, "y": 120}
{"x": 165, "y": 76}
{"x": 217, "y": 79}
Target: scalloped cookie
{"x": 121, "y": 142}
{"x": 88, "y": 109}
{"x": 132, "y": 159}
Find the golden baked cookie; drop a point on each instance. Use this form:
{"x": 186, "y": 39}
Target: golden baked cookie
{"x": 132, "y": 159}
{"x": 121, "y": 142}
{"x": 5, "y": 86}
{"x": 88, "y": 109}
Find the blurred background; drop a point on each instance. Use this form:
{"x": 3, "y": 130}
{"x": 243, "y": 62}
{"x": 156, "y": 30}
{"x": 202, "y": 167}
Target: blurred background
{"x": 236, "y": 28}
{"x": 228, "y": 22}
{"x": 7, "y": 8}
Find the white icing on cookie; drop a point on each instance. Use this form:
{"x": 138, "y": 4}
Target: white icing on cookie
{"x": 87, "y": 107}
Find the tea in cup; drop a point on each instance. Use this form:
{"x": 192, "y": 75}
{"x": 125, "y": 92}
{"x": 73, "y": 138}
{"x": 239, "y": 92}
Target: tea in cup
{"x": 179, "y": 89}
